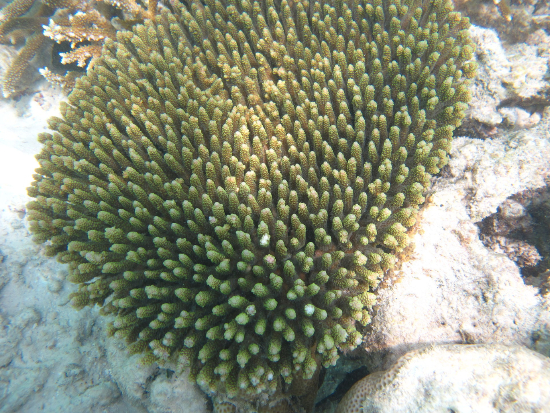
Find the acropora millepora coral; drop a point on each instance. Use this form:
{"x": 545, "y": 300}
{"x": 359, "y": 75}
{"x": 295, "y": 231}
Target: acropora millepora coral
{"x": 232, "y": 179}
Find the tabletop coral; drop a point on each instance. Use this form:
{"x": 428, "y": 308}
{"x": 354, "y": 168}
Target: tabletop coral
{"x": 231, "y": 179}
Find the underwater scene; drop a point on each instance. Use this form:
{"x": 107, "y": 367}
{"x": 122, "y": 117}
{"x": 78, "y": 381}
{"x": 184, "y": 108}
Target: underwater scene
{"x": 274, "y": 206}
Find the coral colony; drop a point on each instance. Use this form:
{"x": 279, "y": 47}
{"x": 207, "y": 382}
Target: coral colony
{"x": 231, "y": 179}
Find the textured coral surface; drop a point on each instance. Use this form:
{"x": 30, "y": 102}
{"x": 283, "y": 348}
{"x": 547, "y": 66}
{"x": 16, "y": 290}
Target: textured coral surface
{"x": 231, "y": 180}
{"x": 488, "y": 377}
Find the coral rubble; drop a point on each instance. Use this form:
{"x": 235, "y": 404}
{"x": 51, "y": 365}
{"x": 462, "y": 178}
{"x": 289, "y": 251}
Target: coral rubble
{"x": 231, "y": 180}
{"x": 515, "y": 20}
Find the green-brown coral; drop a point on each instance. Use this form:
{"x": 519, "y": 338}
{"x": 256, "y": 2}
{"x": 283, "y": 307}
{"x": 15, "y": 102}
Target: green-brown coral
{"x": 232, "y": 179}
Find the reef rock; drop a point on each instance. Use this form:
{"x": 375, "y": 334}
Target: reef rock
{"x": 456, "y": 378}
{"x": 453, "y": 289}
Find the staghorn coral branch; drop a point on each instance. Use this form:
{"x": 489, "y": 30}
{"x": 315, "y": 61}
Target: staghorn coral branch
{"x": 73, "y": 34}
{"x": 11, "y": 31}
{"x": 81, "y": 54}
{"x": 67, "y": 81}
{"x": 90, "y": 19}
{"x": 66, "y": 4}
{"x": 15, "y": 9}
{"x": 504, "y": 9}
{"x": 152, "y": 8}
{"x": 20, "y": 63}
{"x": 91, "y": 26}
{"x": 133, "y": 8}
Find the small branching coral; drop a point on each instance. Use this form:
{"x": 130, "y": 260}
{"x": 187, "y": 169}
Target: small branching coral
{"x": 74, "y": 21}
{"x": 232, "y": 179}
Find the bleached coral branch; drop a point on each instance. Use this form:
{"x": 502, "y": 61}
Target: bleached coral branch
{"x": 90, "y": 26}
{"x": 65, "y": 81}
{"x": 81, "y": 54}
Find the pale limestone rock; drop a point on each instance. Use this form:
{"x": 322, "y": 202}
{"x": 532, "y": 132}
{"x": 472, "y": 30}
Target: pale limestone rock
{"x": 456, "y": 378}
{"x": 152, "y": 388}
{"x": 514, "y": 72}
{"x": 487, "y": 89}
{"x": 175, "y": 394}
{"x": 487, "y": 172}
{"x": 452, "y": 288}
{"x": 528, "y": 70}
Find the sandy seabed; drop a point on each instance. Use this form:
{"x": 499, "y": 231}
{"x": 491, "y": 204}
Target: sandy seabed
{"x": 53, "y": 358}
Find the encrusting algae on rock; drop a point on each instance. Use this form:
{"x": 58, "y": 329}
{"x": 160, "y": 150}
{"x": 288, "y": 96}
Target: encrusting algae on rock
{"x": 231, "y": 179}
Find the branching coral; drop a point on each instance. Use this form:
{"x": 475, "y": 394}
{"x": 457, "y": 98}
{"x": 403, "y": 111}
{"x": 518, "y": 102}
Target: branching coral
{"x": 20, "y": 63}
{"x": 232, "y": 179}
{"x": 74, "y": 21}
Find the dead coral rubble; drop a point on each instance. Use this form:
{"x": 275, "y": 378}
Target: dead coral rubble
{"x": 515, "y": 20}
